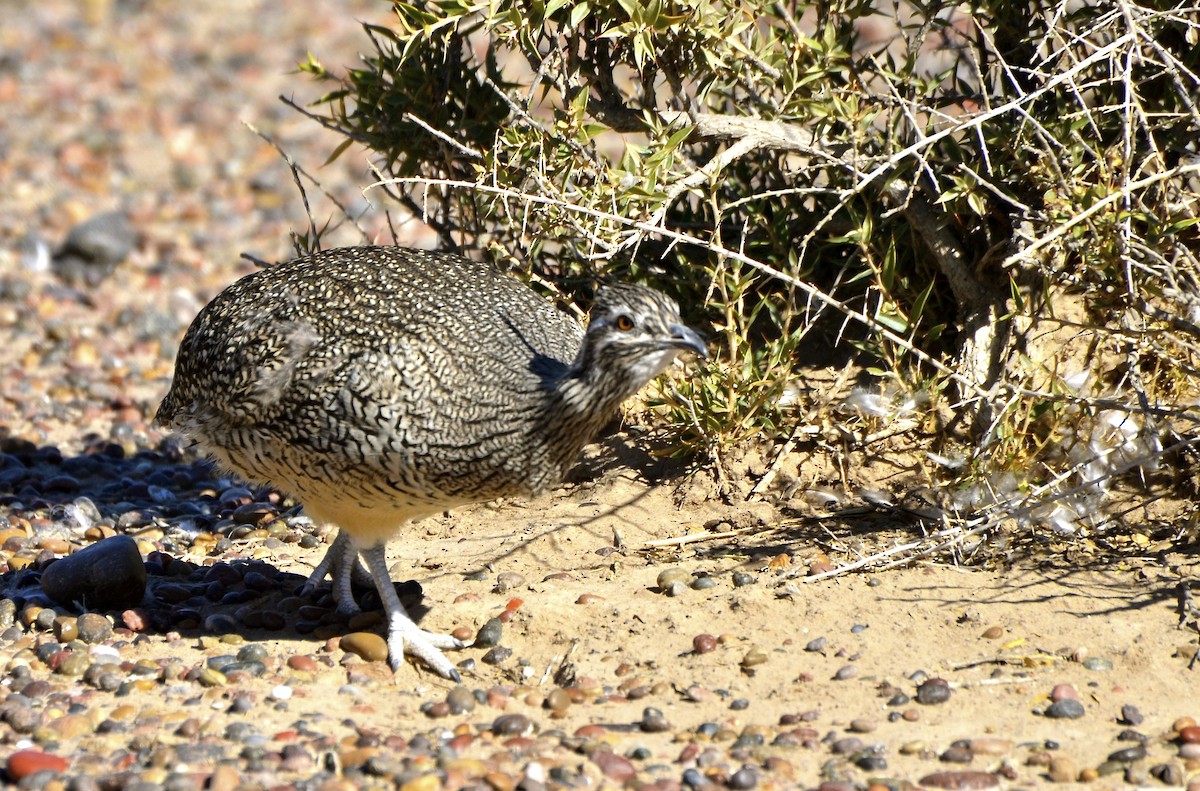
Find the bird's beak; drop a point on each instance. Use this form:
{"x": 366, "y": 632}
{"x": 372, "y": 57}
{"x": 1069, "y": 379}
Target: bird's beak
{"x": 688, "y": 339}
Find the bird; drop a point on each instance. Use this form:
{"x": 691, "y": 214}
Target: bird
{"x": 378, "y": 385}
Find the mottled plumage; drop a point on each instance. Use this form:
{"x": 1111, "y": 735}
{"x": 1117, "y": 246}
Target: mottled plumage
{"x": 379, "y": 385}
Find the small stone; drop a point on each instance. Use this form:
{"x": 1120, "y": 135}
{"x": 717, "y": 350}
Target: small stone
{"x": 933, "y": 691}
{"x": 746, "y": 777}
{"x": 614, "y": 767}
{"x": 107, "y": 575}
{"x": 497, "y": 655}
{"x": 1067, "y": 708}
{"x": 961, "y": 780}
{"x": 653, "y": 721}
{"x": 94, "y": 628}
{"x": 1190, "y": 751}
{"x": 1189, "y": 734}
{"x": 303, "y": 663}
{"x": 1098, "y": 663}
{"x": 915, "y": 747}
{"x": 512, "y": 725}
{"x": 507, "y": 581}
{"x": 1063, "y": 770}
{"x": 704, "y": 643}
{"x": 815, "y": 645}
{"x": 741, "y": 579}
{"x": 668, "y": 577}
{"x": 489, "y": 634}
{"x": 94, "y": 247}
{"x": 675, "y": 589}
{"x": 461, "y": 700}
{"x": 367, "y": 645}
{"x": 558, "y": 700}
{"x": 1168, "y": 774}
{"x": 991, "y": 746}
{"x": 66, "y": 628}
{"x": 1130, "y": 715}
{"x": 1063, "y": 692}
{"x": 754, "y": 657}
{"x": 993, "y": 633}
{"x": 23, "y": 763}
{"x": 956, "y": 754}
{"x": 703, "y": 583}
{"x": 863, "y": 725}
{"x": 846, "y": 745}
{"x": 1128, "y": 754}
{"x": 845, "y": 672}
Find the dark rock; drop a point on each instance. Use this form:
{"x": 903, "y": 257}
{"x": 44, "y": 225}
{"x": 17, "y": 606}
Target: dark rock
{"x": 107, "y": 575}
{"x": 489, "y": 634}
{"x": 933, "y": 691}
{"x": 1065, "y": 709}
{"x": 93, "y": 248}
{"x": 1128, "y": 754}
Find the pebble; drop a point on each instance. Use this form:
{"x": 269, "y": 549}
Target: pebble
{"x": 963, "y": 780}
{"x": 1062, "y": 770}
{"x": 497, "y": 655}
{"x": 93, "y": 627}
{"x": 703, "y": 582}
{"x": 741, "y": 579}
{"x": 1063, "y": 692}
{"x": 24, "y": 763}
{"x": 1168, "y": 774}
{"x": 933, "y": 691}
{"x": 993, "y": 633}
{"x": 558, "y": 699}
{"x": 93, "y": 248}
{"x": 1189, "y": 734}
{"x": 107, "y": 575}
{"x": 746, "y": 777}
{"x": 815, "y": 645}
{"x": 614, "y": 767}
{"x": 507, "y": 581}
{"x": 1130, "y": 715}
{"x": 512, "y": 725}
{"x": 461, "y": 700}
{"x": 845, "y": 672}
{"x": 990, "y": 746}
{"x": 754, "y": 657}
{"x": 671, "y": 576}
{"x": 1098, "y": 663}
{"x": 489, "y": 634}
{"x": 957, "y": 754}
{"x": 704, "y": 643}
{"x": 1128, "y": 754}
{"x": 1067, "y": 708}
{"x": 654, "y": 721}
{"x": 367, "y": 645}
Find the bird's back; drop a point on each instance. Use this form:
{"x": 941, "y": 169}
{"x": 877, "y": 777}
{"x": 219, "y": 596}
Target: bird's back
{"x": 377, "y": 373}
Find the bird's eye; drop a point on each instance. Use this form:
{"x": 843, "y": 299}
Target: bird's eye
{"x": 624, "y": 323}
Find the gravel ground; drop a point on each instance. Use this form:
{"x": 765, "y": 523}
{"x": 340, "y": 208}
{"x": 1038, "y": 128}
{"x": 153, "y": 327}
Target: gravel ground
{"x": 151, "y": 635}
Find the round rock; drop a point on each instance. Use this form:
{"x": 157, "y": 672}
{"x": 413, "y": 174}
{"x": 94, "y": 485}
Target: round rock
{"x": 108, "y": 575}
{"x": 1065, "y": 709}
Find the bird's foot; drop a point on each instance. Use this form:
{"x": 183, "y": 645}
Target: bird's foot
{"x": 341, "y": 563}
{"x": 405, "y": 637}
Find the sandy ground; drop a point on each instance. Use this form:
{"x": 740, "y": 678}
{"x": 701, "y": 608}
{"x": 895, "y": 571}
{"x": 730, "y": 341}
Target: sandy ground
{"x": 140, "y": 107}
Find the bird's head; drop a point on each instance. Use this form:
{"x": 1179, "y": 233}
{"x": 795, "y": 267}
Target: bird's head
{"x": 634, "y": 333}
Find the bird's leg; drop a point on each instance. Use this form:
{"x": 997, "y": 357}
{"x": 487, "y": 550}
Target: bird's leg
{"x": 404, "y": 636}
{"x": 341, "y": 562}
